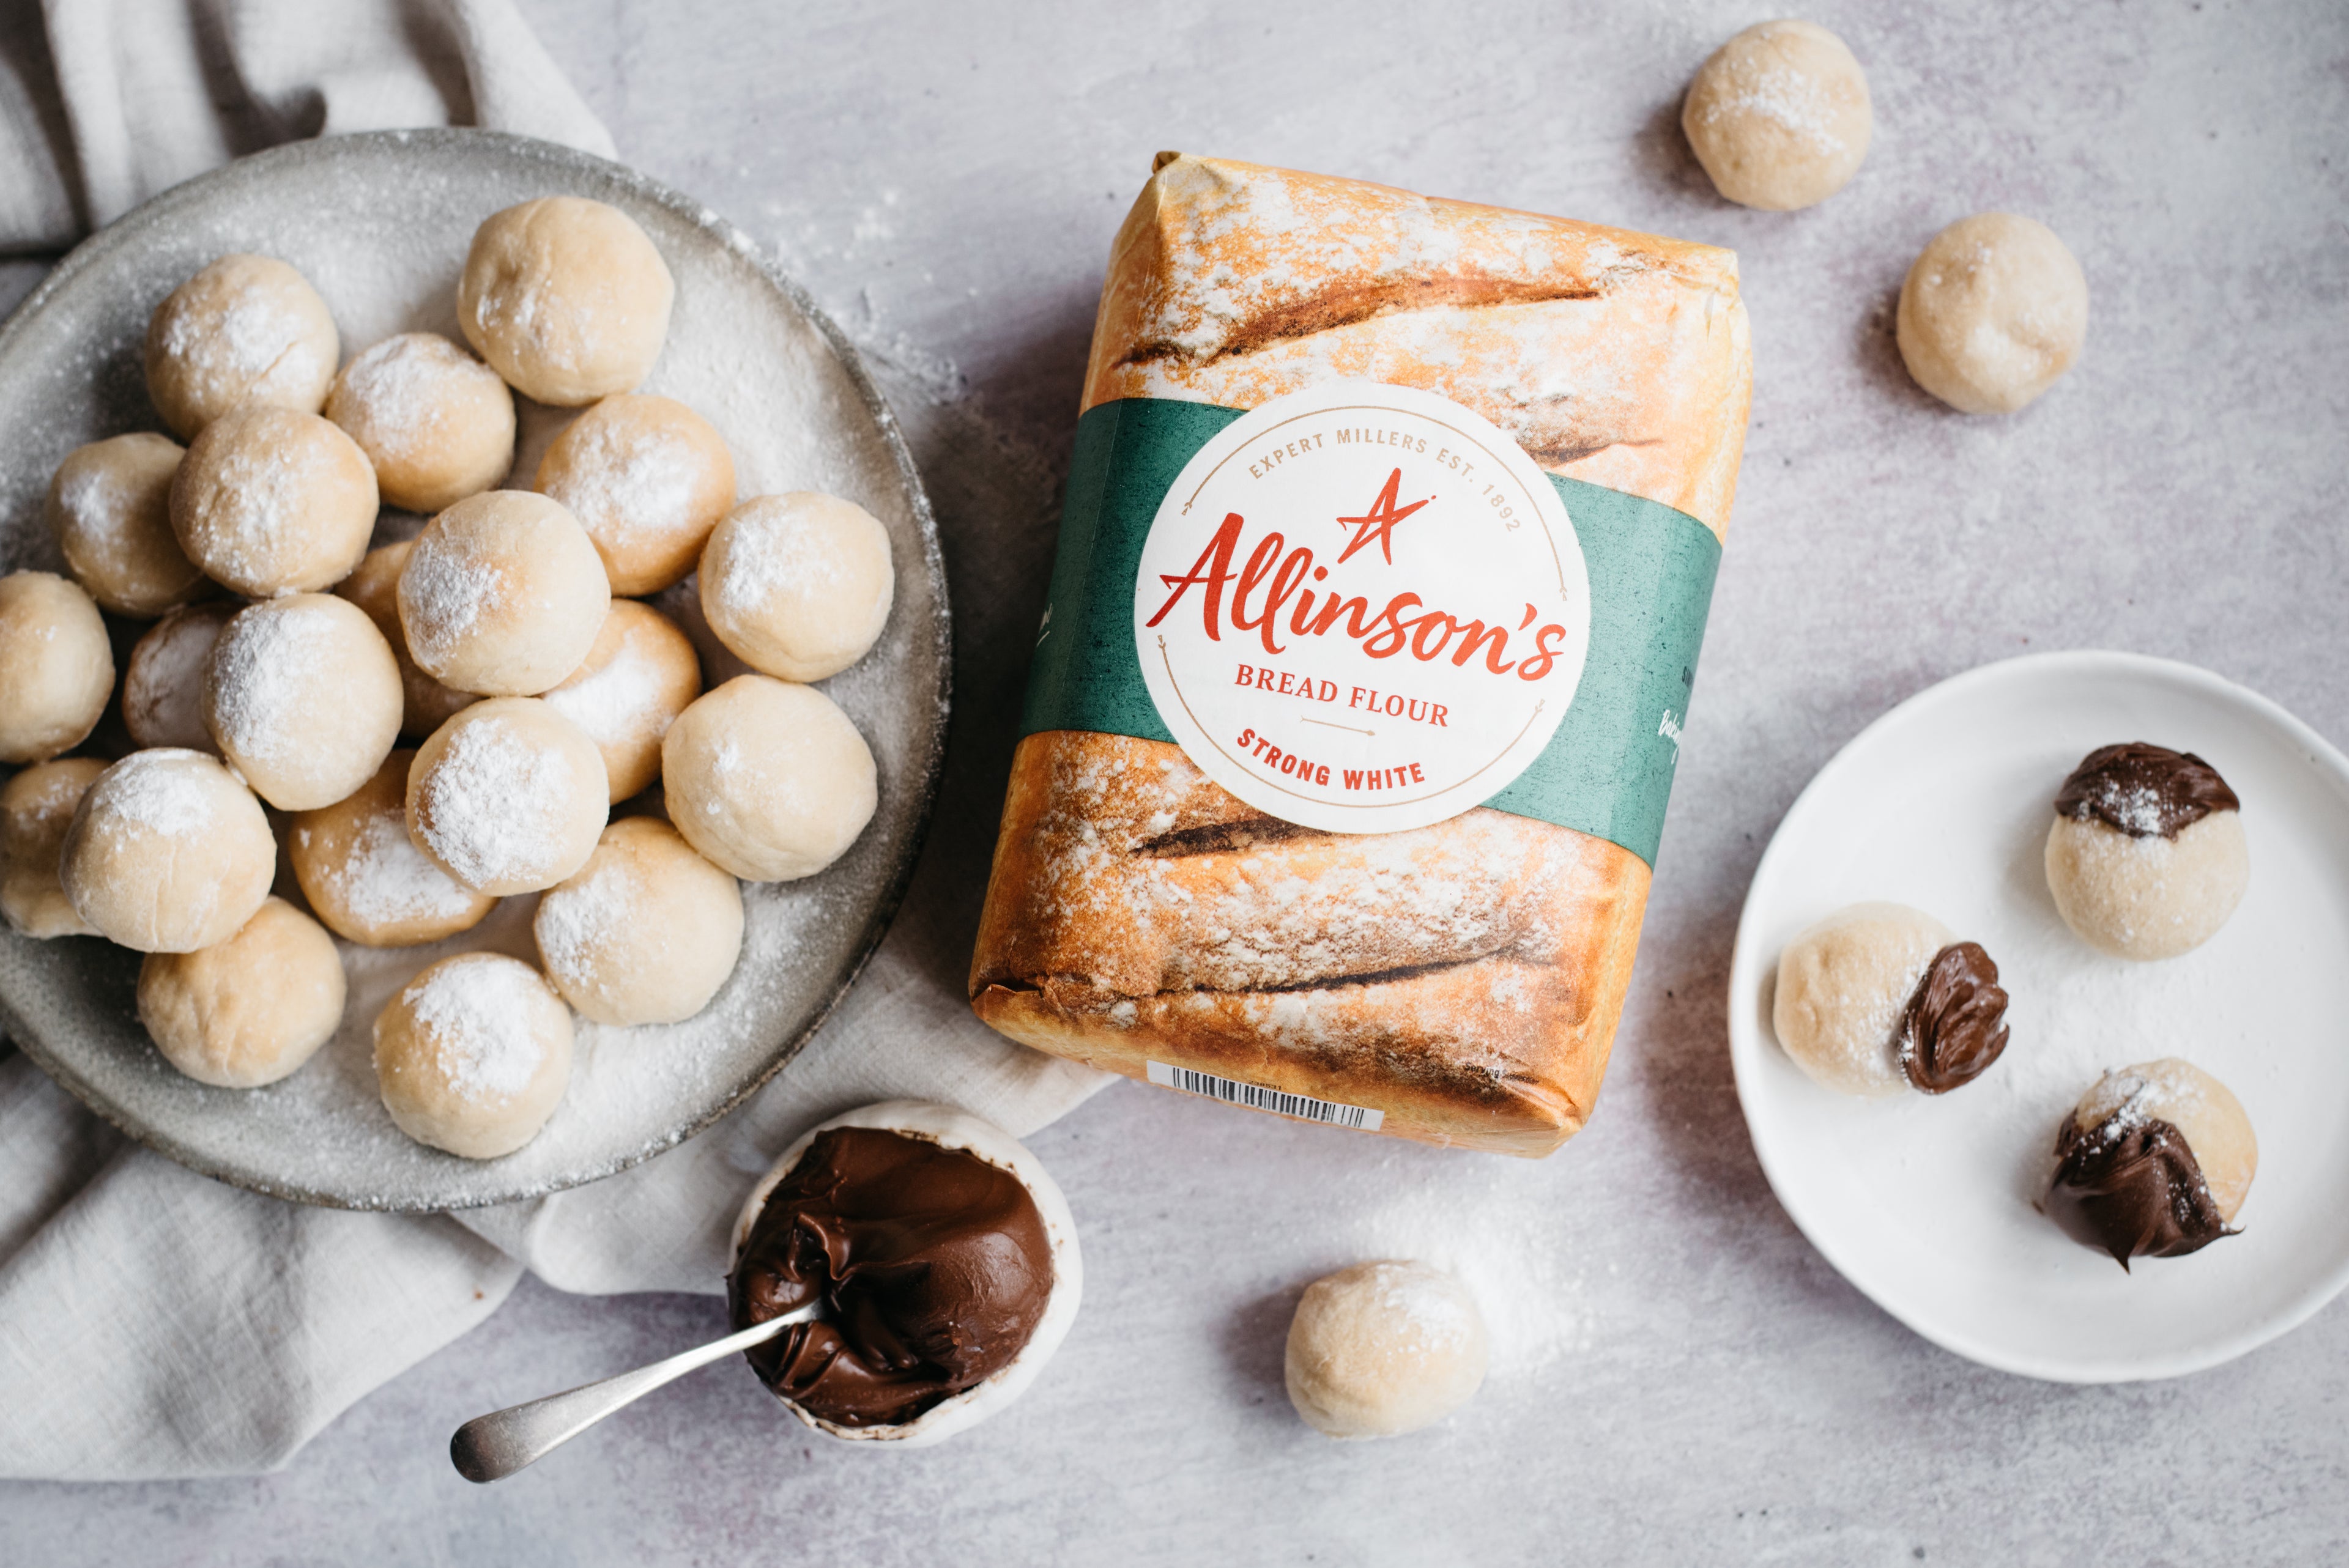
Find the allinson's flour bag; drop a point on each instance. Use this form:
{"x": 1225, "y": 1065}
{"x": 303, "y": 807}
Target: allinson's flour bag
{"x": 1389, "y": 538}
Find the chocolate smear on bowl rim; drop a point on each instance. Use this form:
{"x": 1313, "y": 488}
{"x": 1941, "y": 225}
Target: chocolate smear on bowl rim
{"x": 2131, "y": 1186}
{"x": 1954, "y": 1024}
{"x": 2144, "y": 790}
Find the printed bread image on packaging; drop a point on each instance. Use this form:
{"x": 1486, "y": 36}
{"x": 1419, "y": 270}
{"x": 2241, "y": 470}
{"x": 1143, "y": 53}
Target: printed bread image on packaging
{"x": 1390, "y": 528}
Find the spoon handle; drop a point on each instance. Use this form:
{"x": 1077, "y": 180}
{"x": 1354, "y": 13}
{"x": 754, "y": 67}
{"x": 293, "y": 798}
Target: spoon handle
{"x": 492, "y": 1447}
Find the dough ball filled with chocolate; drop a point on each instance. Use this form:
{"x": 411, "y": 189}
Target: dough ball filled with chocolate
{"x": 163, "y": 685}
{"x": 2154, "y": 1162}
{"x": 768, "y": 778}
{"x": 2146, "y": 857}
{"x": 1779, "y": 116}
{"x": 250, "y": 1010}
{"x": 566, "y": 298}
{"x": 640, "y": 675}
{"x": 503, "y": 594}
{"x": 798, "y": 586}
{"x": 436, "y": 422}
{"x": 167, "y": 852}
{"x": 1992, "y": 312}
{"x": 1384, "y": 1348}
{"x": 56, "y": 668}
{"x": 644, "y": 932}
{"x": 244, "y": 330}
{"x": 271, "y": 501}
{"x": 473, "y": 1055}
{"x": 508, "y": 797}
{"x": 110, "y": 505}
{"x": 1879, "y": 999}
{"x": 303, "y": 695}
{"x": 36, "y": 810}
{"x": 364, "y": 876}
{"x": 647, "y": 478}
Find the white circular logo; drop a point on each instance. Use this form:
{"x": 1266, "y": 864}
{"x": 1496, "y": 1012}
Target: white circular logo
{"x": 1361, "y": 608}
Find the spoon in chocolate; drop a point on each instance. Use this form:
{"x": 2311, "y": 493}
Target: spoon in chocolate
{"x": 492, "y": 1447}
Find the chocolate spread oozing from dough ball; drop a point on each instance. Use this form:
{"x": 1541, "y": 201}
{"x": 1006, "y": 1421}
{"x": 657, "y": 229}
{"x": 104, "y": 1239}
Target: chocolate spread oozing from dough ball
{"x": 1955, "y": 1026}
{"x": 2132, "y": 1187}
{"x": 2143, "y": 789}
{"x": 936, "y": 1264}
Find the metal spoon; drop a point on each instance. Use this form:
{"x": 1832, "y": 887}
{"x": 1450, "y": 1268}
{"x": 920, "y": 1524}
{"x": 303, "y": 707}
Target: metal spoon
{"x": 492, "y": 1447}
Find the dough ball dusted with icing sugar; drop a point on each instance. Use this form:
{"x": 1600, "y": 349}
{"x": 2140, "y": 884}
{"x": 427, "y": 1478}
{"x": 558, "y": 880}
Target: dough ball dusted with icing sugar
{"x": 2146, "y": 857}
{"x": 646, "y": 932}
{"x": 640, "y": 675}
{"x": 163, "y": 688}
{"x": 250, "y": 1010}
{"x": 503, "y": 594}
{"x": 269, "y": 500}
{"x": 109, "y": 506}
{"x": 1384, "y": 1348}
{"x": 167, "y": 852}
{"x": 303, "y": 695}
{"x": 56, "y": 668}
{"x": 36, "y": 809}
{"x": 647, "y": 478}
{"x": 2154, "y": 1162}
{"x": 436, "y": 422}
{"x": 567, "y": 298}
{"x": 799, "y": 585}
{"x": 1993, "y": 312}
{"x": 508, "y": 797}
{"x": 1779, "y": 116}
{"x": 1879, "y": 999}
{"x": 245, "y": 330}
{"x": 364, "y": 876}
{"x": 473, "y": 1055}
{"x": 424, "y": 703}
{"x": 767, "y": 779}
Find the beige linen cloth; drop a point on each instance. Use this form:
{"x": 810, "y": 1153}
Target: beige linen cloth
{"x": 157, "y": 1324}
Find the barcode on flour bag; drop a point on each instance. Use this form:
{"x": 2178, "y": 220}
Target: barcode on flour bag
{"x": 1256, "y": 1098}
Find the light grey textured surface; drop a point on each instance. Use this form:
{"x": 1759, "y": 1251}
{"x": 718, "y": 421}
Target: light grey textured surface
{"x": 1687, "y": 1380}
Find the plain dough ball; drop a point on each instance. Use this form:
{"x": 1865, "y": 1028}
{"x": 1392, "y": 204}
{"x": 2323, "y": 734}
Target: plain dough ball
{"x": 1779, "y": 116}
{"x": 566, "y": 297}
{"x": 503, "y": 594}
{"x": 1382, "y": 1348}
{"x": 1842, "y": 986}
{"x": 56, "y": 668}
{"x": 640, "y": 675}
{"x": 2150, "y": 897}
{"x": 2204, "y": 1110}
{"x": 110, "y": 508}
{"x": 646, "y": 932}
{"x": 303, "y": 695}
{"x": 167, "y": 852}
{"x": 473, "y": 1055}
{"x": 436, "y": 422}
{"x": 798, "y": 586}
{"x": 271, "y": 501}
{"x": 246, "y": 329}
{"x": 424, "y": 703}
{"x": 1992, "y": 313}
{"x": 250, "y": 1010}
{"x": 163, "y": 685}
{"x": 647, "y": 478}
{"x": 36, "y": 809}
{"x": 769, "y": 779}
{"x": 364, "y": 876}
{"x": 508, "y": 797}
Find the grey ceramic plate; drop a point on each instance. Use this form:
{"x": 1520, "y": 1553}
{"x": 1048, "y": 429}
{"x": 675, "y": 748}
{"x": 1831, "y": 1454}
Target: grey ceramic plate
{"x": 380, "y": 223}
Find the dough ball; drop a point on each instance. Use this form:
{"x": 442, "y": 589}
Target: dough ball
{"x": 503, "y": 594}
{"x": 2150, "y": 897}
{"x": 640, "y": 675}
{"x": 436, "y": 422}
{"x": 798, "y": 585}
{"x": 250, "y": 1010}
{"x": 1382, "y": 1348}
{"x": 507, "y": 797}
{"x": 2154, "y": 1162}
{"x": 271, "y": 501}
{"x": 769, "y": 779}
{"x": 303, "y": 695}
{"x": 1779, "y": 116}
{"x": 246, "y": 329}
{"x": 1992, "y": 313}
{"x": 56, "y": 668}
{"x": 1878, "y": 998}
{"x": 163, "y": 688}
{"x": 167, "y": 852}
{"x": 110, "y": 508}
{"x": 424, "y": 703}
{"x": 36, "y": 809}
{"x": 566, "y": 297}
{"x": 473, "y": 1056}
{"x": 647, "y": 478}
{"x": 364, "y": 876}
{"x": 646, "y": 932}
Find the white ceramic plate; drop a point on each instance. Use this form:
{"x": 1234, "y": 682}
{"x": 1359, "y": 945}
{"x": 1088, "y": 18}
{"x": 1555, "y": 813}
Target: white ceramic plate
{"x": 1926, "y": 1202}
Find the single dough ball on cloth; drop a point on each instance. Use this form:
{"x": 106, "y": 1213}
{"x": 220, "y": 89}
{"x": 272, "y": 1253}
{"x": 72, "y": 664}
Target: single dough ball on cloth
{"x": 303, "y": 695}
{"x": 508, "y": 797}
{"x": 2154, "y": 1162}
{"x": 647, "y": 478}
{"x": 424, "y": 703}
{"x": 799, "y": 585}
{"x": 2147, "y": 858}
{"x": 250, "y": 1010}
{"x": 1384, "y": 1348}
{"x": 644, "y": 932}
{"x": 1779, "y": 116}
{"x": 167, "y": 852}
{"x": 269, "y": 500}
{"x": 1992, "y": 313}
{"x": 1878, "y": 998}
{"x": 109, "y": 506}
{"x": 473, "y": 1055}
{"x": 364, "y": 876}
{"x": 640, "y": 675}
{"x": 36, "y": 810}
{"x": 767, "y": 778}
{"x": 164, "y": 686}
{"x": 56, "y": 668}
{"x": 566, "y": 297}
{"x": 246, "y": 329}
{"x": 436, "y": 422}
{"x": 503, "y": 594}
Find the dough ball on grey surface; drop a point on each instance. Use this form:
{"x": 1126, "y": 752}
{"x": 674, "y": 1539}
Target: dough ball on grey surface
{"x": 163, "y": 687}
{"x": 1993, "y": 312}
{"x": 2154, "y": 1162}
{"x": 110, "y": 505}
{"x": 640, "y": 675}
{"x": 272, "y": 501}
{"x": 302, "y": 697}
{"x": 1382, "y": 1348}
{"x": 644, "y": 932}
{"x": 364, "y": 876}
{"x": 798, "y": 586}
{"x": 2146, "y": 857}
{"x": 508, "y": 797}
{"x": 245, "y": 329}
{"x": 167, "y": 852}
{"x": 768, "y": 778}
{"x": 436, "y": 422}
{"x": 473, "y": 1055}
{"x": 250, "y": 1010}
{"x": 1880, "y": 998}
{"x": 1779, "y": 116}
{"x": 56, "y": 668}
{"x": 568, "y": 299}
{"x": 36, "y": 809}
{"x": 424, "y": 703}
{"x": 647, "y": 478}
{"x": 503, "y": 594}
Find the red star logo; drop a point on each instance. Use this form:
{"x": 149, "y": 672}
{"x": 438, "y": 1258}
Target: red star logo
{"x": 1380, "y": 524}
